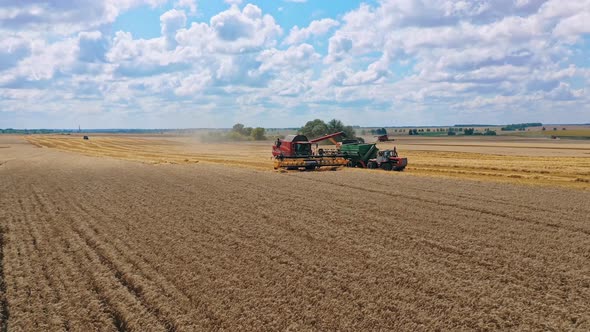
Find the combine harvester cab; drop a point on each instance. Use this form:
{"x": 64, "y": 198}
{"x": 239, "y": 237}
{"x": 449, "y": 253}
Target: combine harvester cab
{"x": 295, "y": 152}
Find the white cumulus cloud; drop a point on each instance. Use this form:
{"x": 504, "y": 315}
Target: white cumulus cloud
{"x": 170, "y": 22}
{"x": 191, "y": 5}
{"x": 409, "y": 60}
{"x": 315, "y": 28}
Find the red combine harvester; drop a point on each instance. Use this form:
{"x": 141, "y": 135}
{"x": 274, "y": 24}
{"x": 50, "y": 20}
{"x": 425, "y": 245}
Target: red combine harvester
{"x": 295, "y": 152}
{"x": 384, "y": 138}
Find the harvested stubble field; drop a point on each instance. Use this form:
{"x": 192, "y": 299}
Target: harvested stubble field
{"x": 498, "y": 159}
{"x": 94, "y": 243}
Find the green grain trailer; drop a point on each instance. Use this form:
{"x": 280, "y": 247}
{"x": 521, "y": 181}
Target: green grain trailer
{"x": 364, "y": 155}
{"x": 359, "y": 154}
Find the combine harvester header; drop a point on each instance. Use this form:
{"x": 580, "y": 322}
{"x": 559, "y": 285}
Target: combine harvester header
{"x": 295, "y": 152}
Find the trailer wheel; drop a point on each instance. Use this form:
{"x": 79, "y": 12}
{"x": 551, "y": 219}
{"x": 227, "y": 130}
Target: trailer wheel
{"x": 371, "y": 165}
{"x": 386, "y": 166}
{"x": 361, "y": 164}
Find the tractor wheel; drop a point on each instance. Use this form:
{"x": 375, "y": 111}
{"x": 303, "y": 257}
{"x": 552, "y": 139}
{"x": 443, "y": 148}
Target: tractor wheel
{"x": 386, "y": 166}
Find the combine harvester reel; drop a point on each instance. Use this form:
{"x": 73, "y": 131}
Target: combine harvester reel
{"x": 295, "y": 152}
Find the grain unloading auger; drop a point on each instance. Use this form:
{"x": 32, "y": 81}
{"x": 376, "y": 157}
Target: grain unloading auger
{"x": 295, "y": 152}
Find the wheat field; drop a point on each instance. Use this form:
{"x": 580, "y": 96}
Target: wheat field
{"x": 532, "y": 163}
{"x": 108, "y": 243}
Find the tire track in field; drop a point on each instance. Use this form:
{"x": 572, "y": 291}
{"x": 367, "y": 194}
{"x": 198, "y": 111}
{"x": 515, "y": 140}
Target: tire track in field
{"x": 64, "y": 281}
{"x": 345, "y": 208}
{"x": 118, "y": 317}
{"x": 493, "y": 269}
{"x": 225, "y": 199}
{"x": 491, "y": 225}
{"x": 45, "y": 316}
{"x": 402, "y": 195}
{"x": 144, "y": 211}
{"x": 4, "y": 310}
{"x": 51, "y": 268}
{"x": 69, "y": 278}
{"x": 483, "y": 210}
{"x": 120, "y": 151}
{"x": 26, "y": 307}
{"x": 294, "y": 197}
{"x": 127, "y": 311}
{"x": 123, "y": 280}
{"x": 126, "y": 308}
{"x": 106, "y": 289}
{"x": 40, "y": 238}
{"x": 137, "y": 284}
{"x": 493, "y": 199}
{"x": 147, "y": 268}
{"x": 460, "y": 255}
{"x": 141, "y": 195}
{"x": 113, "y": 307}
{"x": 498, "y": 200}
{"x": 5, "y": 266}
{"x": 315, "y": 268}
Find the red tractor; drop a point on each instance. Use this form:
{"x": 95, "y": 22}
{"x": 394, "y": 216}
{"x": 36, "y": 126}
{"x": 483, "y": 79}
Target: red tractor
{"x": 388, "y": 160}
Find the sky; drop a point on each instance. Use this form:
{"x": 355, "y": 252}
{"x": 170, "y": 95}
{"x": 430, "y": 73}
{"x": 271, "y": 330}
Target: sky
{"x": 279, "y": 63}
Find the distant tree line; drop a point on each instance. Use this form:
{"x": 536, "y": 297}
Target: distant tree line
{"x": 451, "y": 131}
{"x": 520, "y": 126}
{"x": 110, "y": 131}
{"x": 471, "y": 131}
{"x": 30, "y": 131}
{"x": 240, "y": 132}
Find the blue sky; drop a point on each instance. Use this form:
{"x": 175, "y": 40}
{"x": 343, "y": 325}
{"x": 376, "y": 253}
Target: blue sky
{"x": 191, "y": 63}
